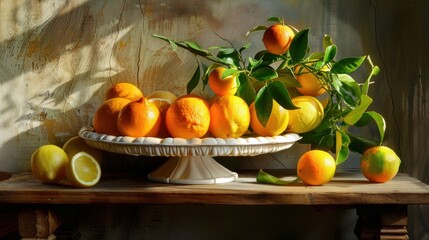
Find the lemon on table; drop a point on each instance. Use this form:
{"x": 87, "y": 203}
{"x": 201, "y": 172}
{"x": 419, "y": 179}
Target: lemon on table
{"x": 83, "y": 170}
{"x": 77, "y": 144}
{"x": 48, "y": 163}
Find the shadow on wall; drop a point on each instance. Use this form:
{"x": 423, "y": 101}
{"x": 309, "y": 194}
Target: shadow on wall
{"x": 64, "y": 67}
{"x": 61, "y": 68}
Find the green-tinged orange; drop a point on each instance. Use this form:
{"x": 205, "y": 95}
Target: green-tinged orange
{"x": 379, "y": 164}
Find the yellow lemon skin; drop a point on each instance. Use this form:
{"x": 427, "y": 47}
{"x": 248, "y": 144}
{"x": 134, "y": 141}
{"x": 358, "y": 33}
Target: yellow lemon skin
{"x": 229, "y": 117}
{"x": 309, "y": 115}
{"x": 77, "y": 144}
{"x": 277, "y": 122}
{"x": 48, "y": 163}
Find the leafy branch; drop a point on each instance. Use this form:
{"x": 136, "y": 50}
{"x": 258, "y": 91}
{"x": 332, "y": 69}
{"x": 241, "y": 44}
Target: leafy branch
{"x": 266, "y": 77}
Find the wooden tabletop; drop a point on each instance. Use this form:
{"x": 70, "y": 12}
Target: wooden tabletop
{"x": 344, "y": 189}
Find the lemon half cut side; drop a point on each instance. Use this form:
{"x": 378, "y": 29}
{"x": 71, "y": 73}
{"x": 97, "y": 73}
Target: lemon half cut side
{"x": 83, "y": 170}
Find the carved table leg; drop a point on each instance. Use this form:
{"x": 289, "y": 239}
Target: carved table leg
{"x": 38, "y": 223}
{"x": 382, "y": 222}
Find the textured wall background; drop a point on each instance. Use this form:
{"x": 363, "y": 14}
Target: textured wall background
{"x": 58, "y": 58}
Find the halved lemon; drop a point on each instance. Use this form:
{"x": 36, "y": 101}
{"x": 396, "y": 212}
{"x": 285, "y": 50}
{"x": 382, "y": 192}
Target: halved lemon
{"x": 83, "y": 170}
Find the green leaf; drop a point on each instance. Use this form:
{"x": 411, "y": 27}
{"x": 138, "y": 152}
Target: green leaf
{"x": 280, "y": 94}
{"x": 207, "y": 71}
{"x": 264, "y": 73}
{"x": 245, "y": 90}
{"x": 192, "y": 84}
{"x": 327, "y": 41}
{"x": 288, "y": 80}
{"x": 299, "y": 45}
{"x": 257, "y": 28}
{"x": 230, "y": 71}
{"x": 330, "y": 53}
{"x": 352, "y": 117}
{"x": 360, "y": 144}
{"x": 196, "y": 48}
{"x": 254, "y": 63}
{"x": 347, "y": 65}
{"x": 379, "y": 121}
{"x": 246, "y": 46}
{"x": 263, "y": 177}
{"x": 276, "y": 19}
{"x": 263, "y": 105}
{"x": 326, "y": 142}
{"x": 317, "y": 56}
{"x": 173, "y": 45}
{"x": 267, "y": 57}
{"x": 342, "y": 142}
{"x": 350, "y": 84}
{"x": 229, "y": 55}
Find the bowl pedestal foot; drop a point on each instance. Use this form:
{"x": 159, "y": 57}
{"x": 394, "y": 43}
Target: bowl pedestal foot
{"x": 192, "y": 170}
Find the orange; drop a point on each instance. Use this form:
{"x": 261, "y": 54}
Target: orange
{"x": 188, "y": 117}
{"x": 48, "y": 163}
{"x": 222, "y": 86}
{"x": 229, "y": 117}
{"x": 106, "y": 116}
{"x": 310, "y": 83}
{"x": 276, "y": 124}
{"x": 379, "y": 164}
{"x": 309, "y": 115}
{"x": 139, "y": 119}
{"x": 277, "y": 38}
{"x": 316, "y": 167}
{"x": 124, "y": 90}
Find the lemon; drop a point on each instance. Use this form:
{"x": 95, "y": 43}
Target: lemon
{"x": 277, "y": 122}
{"x": 229, "y": 117}
{"x": 48, "y": 163}
{"x": 83, "y": 170}
{"x": 77, "y": 144}
{"x": 163, "y": 94}
{"x": 307, "y": 117}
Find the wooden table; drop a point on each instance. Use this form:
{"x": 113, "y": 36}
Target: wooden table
{"x": 381, "y": 208}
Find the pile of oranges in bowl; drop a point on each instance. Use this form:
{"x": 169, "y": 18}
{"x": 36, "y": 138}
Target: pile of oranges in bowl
{"x": 127, "y": 112}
